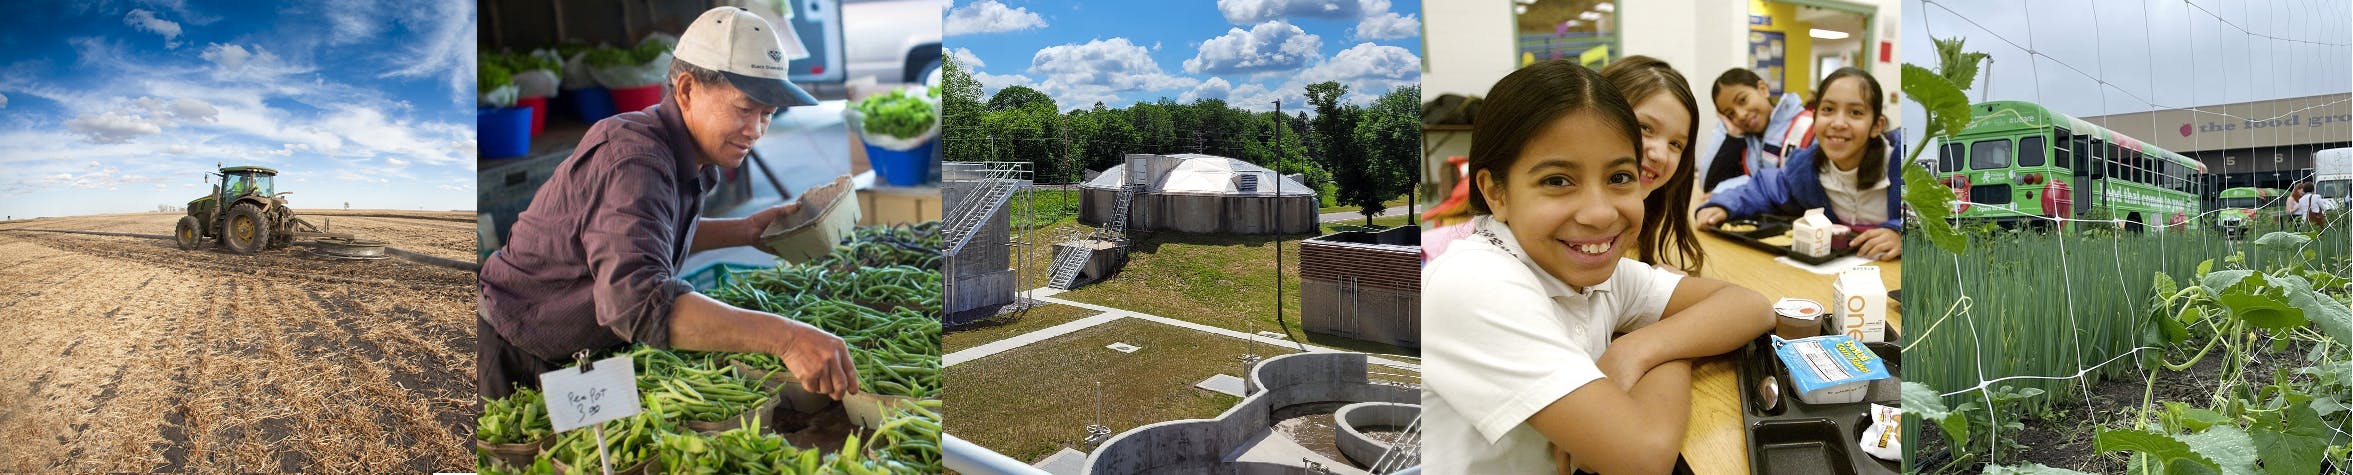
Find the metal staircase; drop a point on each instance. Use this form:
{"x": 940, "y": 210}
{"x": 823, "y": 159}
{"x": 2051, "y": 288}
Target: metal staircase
{"x": 998, "y": 181}
{"x": 1068, "y": 261}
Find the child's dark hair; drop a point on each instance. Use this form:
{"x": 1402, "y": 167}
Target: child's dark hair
{"x": 1874, "y": 166}
{"x": 1524, "y": 102}
{"x": 1734, "y": 77}
{"x": 1666, "y": 230}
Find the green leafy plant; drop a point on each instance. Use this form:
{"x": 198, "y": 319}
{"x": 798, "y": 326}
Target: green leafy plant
{"x": 898, "y": 114}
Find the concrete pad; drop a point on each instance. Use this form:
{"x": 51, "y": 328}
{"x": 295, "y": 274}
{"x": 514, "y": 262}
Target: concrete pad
{"x": 1224, "y": 383}
{"x": 1123, "y": 347}
{"x": 1065, "y": 462}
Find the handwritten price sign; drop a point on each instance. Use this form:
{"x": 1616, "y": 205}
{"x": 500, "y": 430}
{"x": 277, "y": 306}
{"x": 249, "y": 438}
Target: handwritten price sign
{"x": 582, "y": 397}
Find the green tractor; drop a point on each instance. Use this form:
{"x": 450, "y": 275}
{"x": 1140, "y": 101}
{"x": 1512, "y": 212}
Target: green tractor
{"x": 245, "y": 214}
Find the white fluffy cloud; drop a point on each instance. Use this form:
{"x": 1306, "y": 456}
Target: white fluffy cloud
{"x": 147, "y": 21}
{"x": 1368, "y": 69}
{"x": 1273, "y": 45}
{"x": 989, "y": 16}
{"x": 1386, "y": 26}
{"x": 1099, "y": 70}
{"x": 1245, "y": 12}
{"x": 1214, "y": 88}
{"x": 3, "y": 101}
{"x": 112, "y": 127}
{"x": 967, "y": 59}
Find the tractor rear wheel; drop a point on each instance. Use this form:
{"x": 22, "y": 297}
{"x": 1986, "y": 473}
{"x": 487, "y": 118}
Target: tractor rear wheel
{"x": 247, "y": 231}
{"x": 190, "y": 233}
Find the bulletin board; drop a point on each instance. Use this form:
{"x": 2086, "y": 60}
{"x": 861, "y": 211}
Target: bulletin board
{"x": 1768, "y": 56}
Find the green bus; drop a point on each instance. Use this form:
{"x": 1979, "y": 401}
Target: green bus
{"x": 2018, "y": 161}
{"x": 2237, "y": 208}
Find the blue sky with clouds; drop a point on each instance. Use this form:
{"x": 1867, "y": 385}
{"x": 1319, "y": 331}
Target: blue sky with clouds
{"x": 1247, "y": 52}
{"x": 120, "y": 106}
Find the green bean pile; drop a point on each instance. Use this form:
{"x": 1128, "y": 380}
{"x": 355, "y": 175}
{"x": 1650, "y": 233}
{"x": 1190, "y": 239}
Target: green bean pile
{"x": 520, "y": 418}
{"x": 910, "y": 435}
{"x": 705, "y": 395}
{"x": 879, "y": 291}
{"x": 628, "y": 440}
{"x": 742, "y": 450}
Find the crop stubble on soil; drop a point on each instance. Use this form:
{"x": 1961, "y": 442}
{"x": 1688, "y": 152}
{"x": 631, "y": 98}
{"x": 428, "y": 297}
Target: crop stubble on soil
{"x": 126, "y": 354}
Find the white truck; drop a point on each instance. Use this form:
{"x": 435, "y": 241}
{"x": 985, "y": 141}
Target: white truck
{"x": 2332, "y": 175}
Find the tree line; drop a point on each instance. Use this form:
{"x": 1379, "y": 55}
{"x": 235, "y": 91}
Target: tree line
{"x": 1353, "y": 155}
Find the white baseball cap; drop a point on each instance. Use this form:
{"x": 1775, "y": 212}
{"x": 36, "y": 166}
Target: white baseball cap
{"x": 746, "y": 50}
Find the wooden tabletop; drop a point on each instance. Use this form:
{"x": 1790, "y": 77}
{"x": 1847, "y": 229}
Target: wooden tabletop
{"x": 1716, "y": 442}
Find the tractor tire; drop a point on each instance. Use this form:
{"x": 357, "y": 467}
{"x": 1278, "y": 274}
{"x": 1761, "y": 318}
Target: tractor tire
{"x": 247, "y": 230}
{"x": 190, "y": 233}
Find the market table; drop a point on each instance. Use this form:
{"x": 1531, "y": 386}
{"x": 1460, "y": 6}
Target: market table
{"x": 1716, "y": 442}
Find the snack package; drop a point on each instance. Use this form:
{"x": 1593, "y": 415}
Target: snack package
{"x": 1884, "y": 439}
{"x": 1831, "y": 369}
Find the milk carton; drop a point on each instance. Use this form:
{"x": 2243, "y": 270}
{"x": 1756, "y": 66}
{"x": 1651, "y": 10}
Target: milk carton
{"x": 1810, "y": 235}
{"x": 1860, "y": 304}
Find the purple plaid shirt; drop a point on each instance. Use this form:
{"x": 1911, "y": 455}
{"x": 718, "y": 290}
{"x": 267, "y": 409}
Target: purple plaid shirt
{"x": 594, "y": 262}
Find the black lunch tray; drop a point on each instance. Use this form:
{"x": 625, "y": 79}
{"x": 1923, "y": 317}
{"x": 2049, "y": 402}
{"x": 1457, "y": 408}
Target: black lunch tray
{"x": 1769, "y": 226}
{"x": 1801, "y": 438}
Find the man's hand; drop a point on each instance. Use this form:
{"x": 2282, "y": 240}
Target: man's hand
{"x": 820, "y": 360}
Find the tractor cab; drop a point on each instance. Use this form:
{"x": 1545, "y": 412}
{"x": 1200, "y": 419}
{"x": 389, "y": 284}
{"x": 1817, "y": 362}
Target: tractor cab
{"x": 245, "y": 181}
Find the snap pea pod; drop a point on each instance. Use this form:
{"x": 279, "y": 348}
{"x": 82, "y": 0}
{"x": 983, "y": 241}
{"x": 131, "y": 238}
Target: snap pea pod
{"x": 517, "y": 419}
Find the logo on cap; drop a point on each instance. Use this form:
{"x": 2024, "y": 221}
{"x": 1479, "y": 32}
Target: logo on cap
{"x": 774, "y": 55}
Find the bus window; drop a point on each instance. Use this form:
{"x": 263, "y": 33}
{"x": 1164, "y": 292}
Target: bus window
{"x": 1949, "y": 160}
{"x": 2030, "y": 152}
{"x": 1989, "y": 154}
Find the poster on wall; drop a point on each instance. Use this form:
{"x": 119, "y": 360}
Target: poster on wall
{"x": 1767, "y": 57}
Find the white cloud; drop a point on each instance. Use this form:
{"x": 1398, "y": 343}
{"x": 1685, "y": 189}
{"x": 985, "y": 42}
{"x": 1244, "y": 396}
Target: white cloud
{"x": 446, "y": 47}
{"x": 452, "y": 188}
{"x": 396, "y": 162}
{"x": 965, "y": 58}
{"x": 237, "y": 63}
{"x": 3, "y": 101}
{"x": 147, "y": 21}
{"x": 112, "y": 127}
{"x": 989, "y": 16}
{"x": 1245, "y": 12}
{"x": 177, "y": 149}
{"x": 991, "y": 83}
{"x": 1099, "y": 70}
{"x": 194, "y": 110}
{"x": 1273, "y": 45}
{"x": 1214, "y": 88}
{"x": 1368, "y": 70}
{"x": 1386, "y": 26}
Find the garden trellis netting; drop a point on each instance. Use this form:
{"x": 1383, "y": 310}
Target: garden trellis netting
{"x": 2148, "y": 346}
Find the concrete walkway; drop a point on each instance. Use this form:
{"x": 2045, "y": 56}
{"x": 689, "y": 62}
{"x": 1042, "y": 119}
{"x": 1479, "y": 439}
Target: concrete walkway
{"x": 1344, "y": 217}
{"x": 1112, "y": 314}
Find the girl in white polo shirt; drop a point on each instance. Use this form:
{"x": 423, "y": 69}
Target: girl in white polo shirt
{"x": 1519, "y": 314}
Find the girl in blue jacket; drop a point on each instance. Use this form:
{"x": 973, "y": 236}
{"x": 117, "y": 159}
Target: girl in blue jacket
{"x": 1849, "y": 170}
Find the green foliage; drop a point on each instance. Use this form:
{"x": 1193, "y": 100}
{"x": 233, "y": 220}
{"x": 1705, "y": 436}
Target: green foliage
{"x": 897, "y": 114}
{"x": 607, "y": 57}
{"x": 1957, "y": 64}
{"x": 492, "y": 75}
{"x": 1390, "y": 135}
{"x": 1932, "y": 207}
{"x": 1020, "y": 97}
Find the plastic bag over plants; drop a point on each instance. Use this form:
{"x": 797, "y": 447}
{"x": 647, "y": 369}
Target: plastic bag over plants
{"x": 627, "y": 68}
{"x": 898, "y": 120}
{"x": 537, "y": 73}
{"x": 496, "y": 85}
{"x": 576, "y": 75}
{"x": 1829, "y": 369}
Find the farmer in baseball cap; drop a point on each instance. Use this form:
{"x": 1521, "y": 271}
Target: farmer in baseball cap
{"x": 594, "y": 264}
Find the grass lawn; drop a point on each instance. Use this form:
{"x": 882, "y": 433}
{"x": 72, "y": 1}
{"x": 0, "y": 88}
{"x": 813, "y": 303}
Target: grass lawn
{"x": 1220, "y": 280}
{"x": 1391, "y": 203}
{"x": 1005, "y": 326}
{"x": 1032, "y": 401}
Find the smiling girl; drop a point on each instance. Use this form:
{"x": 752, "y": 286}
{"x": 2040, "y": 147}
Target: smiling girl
{"x": 1663, "y": 106}
{"x": 1517, "y": 346}
{"x": 1849, "y": 170}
